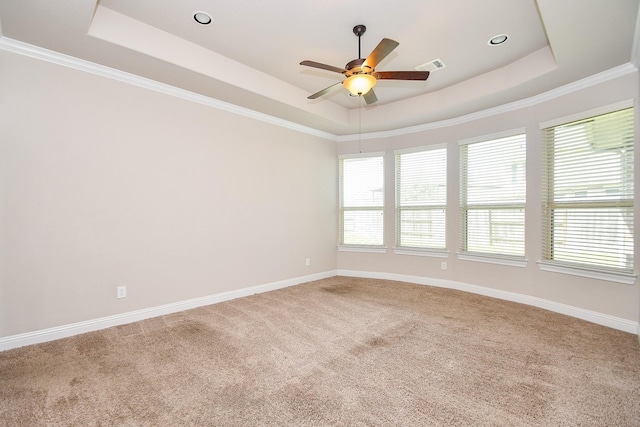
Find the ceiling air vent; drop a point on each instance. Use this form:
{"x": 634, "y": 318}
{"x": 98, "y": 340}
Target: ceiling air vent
{"x": 431, "y": 66}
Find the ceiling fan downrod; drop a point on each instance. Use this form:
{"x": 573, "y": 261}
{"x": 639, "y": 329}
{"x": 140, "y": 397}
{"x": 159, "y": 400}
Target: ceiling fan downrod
{"x": 359, "y": 30}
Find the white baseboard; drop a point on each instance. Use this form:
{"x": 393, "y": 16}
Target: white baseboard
{"x": 50, "y": 334}
{"x": 580, "y": 313}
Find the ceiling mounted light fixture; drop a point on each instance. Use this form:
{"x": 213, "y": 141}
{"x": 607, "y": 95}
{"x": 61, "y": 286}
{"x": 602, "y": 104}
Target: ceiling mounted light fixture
{"x": 498, "y": 40}
{"x": 361, "y": 75}
{"x": 359, "y": 84}
{"x": 202, "y": 18}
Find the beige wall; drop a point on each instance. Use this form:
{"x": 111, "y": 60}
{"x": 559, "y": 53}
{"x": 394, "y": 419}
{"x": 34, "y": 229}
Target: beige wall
{"x": 604, "y": 297}
{"x": 105, "y": 184}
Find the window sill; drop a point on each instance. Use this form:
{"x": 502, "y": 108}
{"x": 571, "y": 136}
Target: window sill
{"x": 522, "y": 263}
{"x": 421, "y": 252}
{"x": 369, "y": 249}
{"x": 627, "y": 279}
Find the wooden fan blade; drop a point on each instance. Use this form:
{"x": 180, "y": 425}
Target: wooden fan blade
{"x": 324, "y": 91}
{"x": 384, "y": 48}
{"x": 401, "y": 75}
{"x": 323, "y": 66}
{"x": 370, "y": 97}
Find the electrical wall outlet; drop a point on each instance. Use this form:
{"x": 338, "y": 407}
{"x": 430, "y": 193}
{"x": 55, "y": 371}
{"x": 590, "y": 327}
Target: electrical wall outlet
{"x": 122, "y": 291}
{"x": 307, "y": 261}
{"x": 443, "y": 265}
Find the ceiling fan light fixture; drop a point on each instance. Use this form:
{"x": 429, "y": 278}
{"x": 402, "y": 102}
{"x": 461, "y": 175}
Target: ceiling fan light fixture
{"x": 359, "y": 84}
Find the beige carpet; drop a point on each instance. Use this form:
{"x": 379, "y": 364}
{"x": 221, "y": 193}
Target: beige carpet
{"x": 340, "y": 351}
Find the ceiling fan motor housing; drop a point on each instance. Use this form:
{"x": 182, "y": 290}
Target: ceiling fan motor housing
{"x": 355, "y": 67}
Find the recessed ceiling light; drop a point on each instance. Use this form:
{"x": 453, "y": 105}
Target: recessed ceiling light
{"x": 497, "y": 40}
{"x": 202, "y": 18}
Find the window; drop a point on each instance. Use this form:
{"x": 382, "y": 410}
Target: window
{"x": 493, "y": 195}
{"x": 588, "y": 186}
{"x": 362, "y": 200}
{"x": 421, "y": 198}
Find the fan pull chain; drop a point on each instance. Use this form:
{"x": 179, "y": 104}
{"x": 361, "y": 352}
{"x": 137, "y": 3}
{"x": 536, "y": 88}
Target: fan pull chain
{"x": 360, "y": 124}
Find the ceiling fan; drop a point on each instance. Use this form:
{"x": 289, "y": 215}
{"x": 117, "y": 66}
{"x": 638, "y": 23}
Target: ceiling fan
{"x": 361, "y": 74}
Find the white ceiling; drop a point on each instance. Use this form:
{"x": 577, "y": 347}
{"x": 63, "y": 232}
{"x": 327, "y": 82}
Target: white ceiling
{"x": 250, "y": 54}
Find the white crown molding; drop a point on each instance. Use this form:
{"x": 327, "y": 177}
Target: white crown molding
{"x": 36, "y": 52}
{"x": 57, "y": 58}
{"x": 587, "y": 82}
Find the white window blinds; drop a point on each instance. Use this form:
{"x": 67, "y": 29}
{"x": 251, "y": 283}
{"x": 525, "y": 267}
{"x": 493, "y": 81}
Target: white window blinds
{"x": 362, "y": 200}
{"x": 589, "y": 193}
{"x": 421, "y": 199}
{"x": 492, "y": 196}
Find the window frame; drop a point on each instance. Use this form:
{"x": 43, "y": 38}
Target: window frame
{"x": 548, "y": 202}
{"x": 350, "y": 247}
{"x": 464, "y": 206}
{"x": 440, "y": 252}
